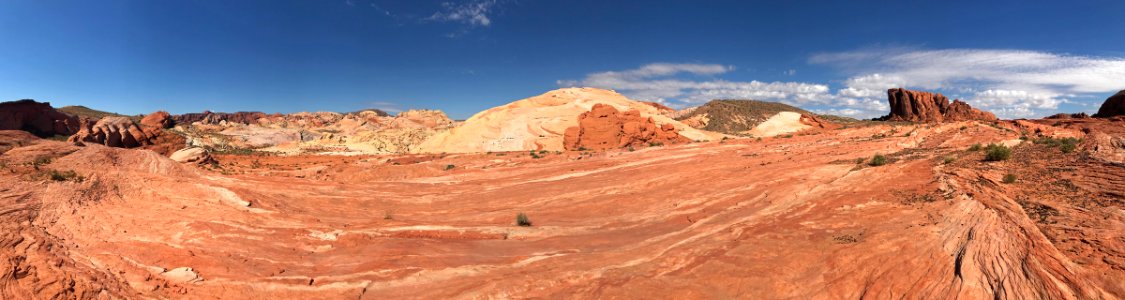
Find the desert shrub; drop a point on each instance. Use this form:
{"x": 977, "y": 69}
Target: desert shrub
{"x": 997, "y": 152}
{"x": 67, "y": 175}
{"x": 975, "y": 147}
{"x": 631, "y": 149}
{"x": 964, "y": 127}
{"x": 388, "y": 215}
{"x": 1066, "y": 145}
{"x": 949, "y": 159}
{"x": 522, "y": 220}
{"x": 878, "y": 160}
{"x": 449, "y": 167}
{"x": 1068, "y": 148}
{"x": 1009, "y": 178}
{"x": 655, "y": 144}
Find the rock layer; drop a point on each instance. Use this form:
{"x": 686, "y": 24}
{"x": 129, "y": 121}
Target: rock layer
{"x": 122, "y": 132}
{"x": 38, "y": 118}
{"x": 917, "y": 106}
{"x": 1113, "y": 106}
{"x": 603, "y": 127}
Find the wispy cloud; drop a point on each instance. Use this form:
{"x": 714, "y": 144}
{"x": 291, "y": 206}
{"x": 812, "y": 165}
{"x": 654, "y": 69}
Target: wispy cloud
{"x": 390, "y": 107}
{"x": 473, "y": 13}
{"x": 685, "y": 84}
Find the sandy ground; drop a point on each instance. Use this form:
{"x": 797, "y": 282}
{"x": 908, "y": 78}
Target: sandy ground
{"x": 785, "y": 217}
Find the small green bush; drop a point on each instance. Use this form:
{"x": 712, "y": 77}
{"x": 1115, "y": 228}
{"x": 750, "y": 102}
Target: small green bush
{"x": 522, "y": 220}
{"x": 878, "y": 160}
{"x": 975, "y": 147}
{"x": 1068, "y": 148}
{"x": 449, "y": 167}
{"x": 1009, "y": 178}
{"x": 997, "y": 152}
{"x": 949, "y": 159}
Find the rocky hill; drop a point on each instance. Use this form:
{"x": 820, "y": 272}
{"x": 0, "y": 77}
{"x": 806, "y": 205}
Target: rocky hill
{"x": 734, "y": 116}
{"x": 539, "y": 123}
{"x": 38, "y": 118}
{"x": 82, "y": 111}
{"x": 1113, "y": 106}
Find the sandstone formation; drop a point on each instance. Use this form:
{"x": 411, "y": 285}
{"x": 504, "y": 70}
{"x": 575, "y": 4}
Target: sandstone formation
{"x": 792, "y": 218}
{"x": 1113, "y": 106}
{"x": 37, "y": 118}
{"x": 539, "y": 123}
{"x": 192, "y": 155}
{"x": 113, "y": 132}
{"x": 122, "y": 132}
{"x": 603, "y": 127}
{"x": 916, "y": 106}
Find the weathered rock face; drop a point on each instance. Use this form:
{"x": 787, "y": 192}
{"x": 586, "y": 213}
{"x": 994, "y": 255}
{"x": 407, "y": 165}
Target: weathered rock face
{"x": 208, "y": 117}
{"x": 1113, "y": 106}
{"x": 38, "y": 118}
{"x": 918, "y": 106}
{"x": 603, "y": 127}
{"x": 114, "y": 132}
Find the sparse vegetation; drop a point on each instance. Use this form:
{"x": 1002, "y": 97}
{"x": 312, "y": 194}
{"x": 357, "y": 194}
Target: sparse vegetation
{"x": 859, "y": 161}
{"x": 655, "y": 144}
{"x": 1066, "y": 145}
{"x": 949, "y": 159}
{"x": 449, "y": 167}
{"x": 997, "y": 152}
{"x": 1009, "y": 178}
{"x": 522, "y": 220}
{"x": 67, "y": 175}
{"x": 878, "y": 160}
{"x": 975, "y": 147}
{"x": 388, "y": 215}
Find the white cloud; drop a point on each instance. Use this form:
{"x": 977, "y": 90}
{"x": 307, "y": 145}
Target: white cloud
{"x": 665, "y": 81}
{"x": 1016, "y": 104}
{"x": 986, "y": 69}
{"x": 473, "y": 13}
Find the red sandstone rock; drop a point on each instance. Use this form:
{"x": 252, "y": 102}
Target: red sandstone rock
{"x": 1113, "y": 106}
{"x": 917, "y": 106}
{"x": 159, "y": 119}
{"x": 37, "y": 118}
{"x": 961, "y": 111}
{"x": 603, "y": 127}
{"x": 664, "y": 110}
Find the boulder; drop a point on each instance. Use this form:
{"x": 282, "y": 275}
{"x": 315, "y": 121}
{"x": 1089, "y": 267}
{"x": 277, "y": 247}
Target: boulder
{"x": 158, "y": 120}
{"x": 192, "y": 155}
{"x": 1113, "y": 106}
{"x": 917, "y": 106}
{"x": 37, "y": 118}
{"x": 604, "y": 127}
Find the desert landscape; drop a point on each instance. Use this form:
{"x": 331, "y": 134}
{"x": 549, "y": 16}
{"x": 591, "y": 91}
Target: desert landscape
{"x": 546, "y": 149}
{"x": 575, "y": 193}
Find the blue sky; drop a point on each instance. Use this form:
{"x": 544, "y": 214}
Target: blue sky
{"x": 1016, "y": 58}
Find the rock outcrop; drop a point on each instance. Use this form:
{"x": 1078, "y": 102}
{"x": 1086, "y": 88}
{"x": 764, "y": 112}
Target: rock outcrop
{"x": 917, "y": 106}
{"x": 114, "y": 132}
{"x": 122, "y": 132}
{"x": 538, "y": 123}
{"x": 192, "y": 155}
{"x": 604, "y": 127}
{"x": 37, "y": 118}
{"x": 1113, "y": 106}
